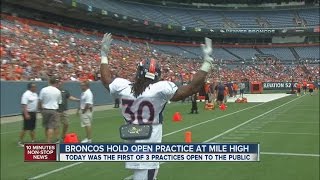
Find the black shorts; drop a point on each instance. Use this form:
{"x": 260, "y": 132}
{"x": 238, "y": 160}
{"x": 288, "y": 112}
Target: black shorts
{"x": 220, "y": 97}
{"x": 311, "y": 90}
{"x": 206, "y": 97}
{"x": 30, "y": 124}
{"x": 304, "y": 87}
{"x": 241, "y": 91}
{"x": 299, "y": 90}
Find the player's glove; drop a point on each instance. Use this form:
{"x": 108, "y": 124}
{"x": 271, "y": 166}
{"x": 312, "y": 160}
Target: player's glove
{"x": 207, "y": 51}
{"x": 105, "y": 47}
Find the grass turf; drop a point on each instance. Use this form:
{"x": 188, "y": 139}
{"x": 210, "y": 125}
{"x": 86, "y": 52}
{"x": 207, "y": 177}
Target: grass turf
{"x": 292, "y": 128}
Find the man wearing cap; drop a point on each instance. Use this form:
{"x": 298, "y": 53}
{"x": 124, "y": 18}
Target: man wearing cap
{"x": 29, "y": 102}
{"x": 50, "y": 98}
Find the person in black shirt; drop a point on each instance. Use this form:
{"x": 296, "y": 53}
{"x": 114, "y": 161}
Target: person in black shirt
{"x": 220, "y": 93}
{"x": 62, "y": 111}
{"x": 194, "y": 107}
{"x": 230, "y": 88}
{"x": 116, "y": 103}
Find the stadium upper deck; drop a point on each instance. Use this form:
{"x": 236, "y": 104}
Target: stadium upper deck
{"x": 209, "y": 18}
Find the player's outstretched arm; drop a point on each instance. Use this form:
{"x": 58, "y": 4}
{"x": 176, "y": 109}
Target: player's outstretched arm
{"x": 200, "y": 77}
{"x": 106, "y": 75}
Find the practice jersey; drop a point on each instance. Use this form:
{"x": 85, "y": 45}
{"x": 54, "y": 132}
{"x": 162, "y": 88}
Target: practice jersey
{"x": 147, "y": 108}
{"x": 311, "y": 86}
{"x": 305, "y": 83}
{"x": 298, "y": 86}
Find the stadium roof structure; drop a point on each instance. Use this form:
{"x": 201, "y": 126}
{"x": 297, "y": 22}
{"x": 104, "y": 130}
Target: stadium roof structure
{"x": 221, "y": 1}
{"x": 178, "y": 22}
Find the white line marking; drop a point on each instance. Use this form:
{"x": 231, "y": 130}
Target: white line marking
{"x": 290, "y": 154}
{"x": 252, "y": 119}
{"x": 288, "y": 133}
{"x": 168, "y": 134}
{"x": 204, "y": 122}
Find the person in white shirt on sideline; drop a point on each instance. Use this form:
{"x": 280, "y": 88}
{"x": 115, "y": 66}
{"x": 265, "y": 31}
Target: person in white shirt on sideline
{"x": 86, "y": 107}
{"x": 242, "y": 86}
{"x": 50, "y": 98}
{"x": 29, "y": 102}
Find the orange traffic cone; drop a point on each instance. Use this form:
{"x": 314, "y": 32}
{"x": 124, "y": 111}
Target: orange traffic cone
{"x": 71, "y": 138}
{"x": 188, "y": 137}
{"x": 177, "y": 117}
{"x": 210, "y": 106}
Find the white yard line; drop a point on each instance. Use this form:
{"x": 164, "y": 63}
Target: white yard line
{"x": 250, "y": 120}
{"x": 210, "y": 120}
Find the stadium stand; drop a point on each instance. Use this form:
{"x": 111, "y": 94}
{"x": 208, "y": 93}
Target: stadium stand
{"x": 205, "y": 18}
{"x": 244, "y": 53}
{"x": 280, "y": 53}
{"x": 308, "y": 52}
{"x": 36, "y": 52}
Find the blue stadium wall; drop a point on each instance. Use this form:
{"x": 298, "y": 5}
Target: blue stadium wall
{"x": 11, "y": 92}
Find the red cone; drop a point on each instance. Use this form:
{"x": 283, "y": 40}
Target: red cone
{"x": 71, "y": 138}
{"x": 223, "y": 107}
{"x": 176, "y": 117}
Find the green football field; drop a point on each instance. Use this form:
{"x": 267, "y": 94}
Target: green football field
{"x": 287, "y": 130}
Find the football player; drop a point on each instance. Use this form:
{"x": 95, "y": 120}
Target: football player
{"x": 304, "y": 86}
{"x": 311, "y": 88}
{"x": 143, "y": 101}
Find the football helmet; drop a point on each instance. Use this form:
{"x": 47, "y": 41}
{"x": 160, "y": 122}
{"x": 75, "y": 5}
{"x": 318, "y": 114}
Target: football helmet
{"x": 150, "y": 69}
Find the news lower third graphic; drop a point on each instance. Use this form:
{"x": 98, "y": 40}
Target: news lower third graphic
{"x": 40, "y": 152}
{"x": 143, "y": 152}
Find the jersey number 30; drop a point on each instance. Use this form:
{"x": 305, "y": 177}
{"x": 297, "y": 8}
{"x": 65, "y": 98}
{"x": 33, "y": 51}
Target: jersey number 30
{"x": 138, "y": 115}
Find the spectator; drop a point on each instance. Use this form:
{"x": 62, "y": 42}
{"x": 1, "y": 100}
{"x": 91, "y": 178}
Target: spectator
{"x": 26, "y": 53}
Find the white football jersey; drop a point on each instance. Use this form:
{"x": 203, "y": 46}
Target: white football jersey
{"x": 146, "y": 108}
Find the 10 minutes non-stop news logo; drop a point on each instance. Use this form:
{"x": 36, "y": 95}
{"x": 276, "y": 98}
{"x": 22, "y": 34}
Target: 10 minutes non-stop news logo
{"x": 40, "y": 152}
